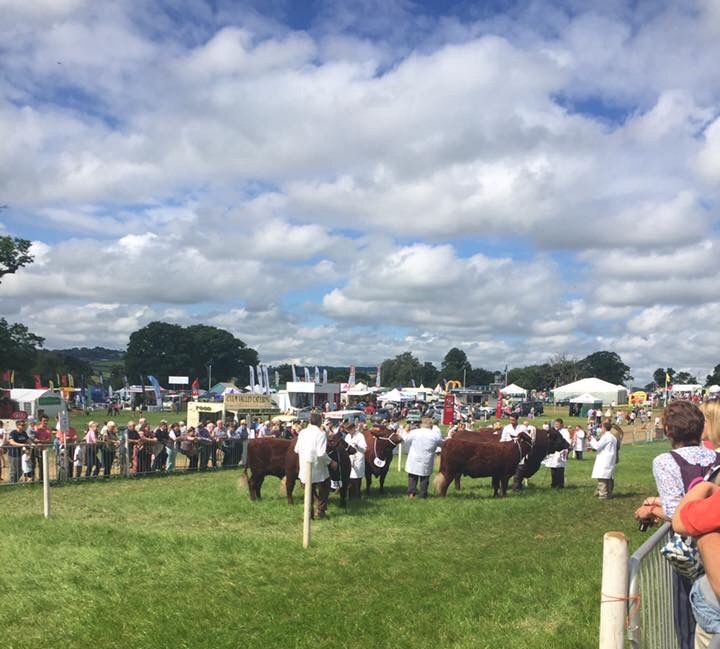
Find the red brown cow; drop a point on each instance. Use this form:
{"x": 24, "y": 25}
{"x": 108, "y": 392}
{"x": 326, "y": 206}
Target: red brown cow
{"x": 498, "y": 460}
{"x": 381, "y": 443}
{"x": 268, "y": 456}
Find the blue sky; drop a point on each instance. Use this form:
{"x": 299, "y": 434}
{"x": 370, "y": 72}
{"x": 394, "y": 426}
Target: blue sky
{"x": 339, "y": 182}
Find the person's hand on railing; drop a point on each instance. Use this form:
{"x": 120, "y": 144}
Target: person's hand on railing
{"x": 650, "y": 511}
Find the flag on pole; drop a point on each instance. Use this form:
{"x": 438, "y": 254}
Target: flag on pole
{"x": 102, "y": 378}
{"x": 498, "y": 407}
{"x": 260, "y": 377}
{"x": 277, "y": 378}
{"x": 307, "y": 375}
{"x": 266, "y": 379}
{"x": 413, "y": 382}
{"x": 71, "y": 381}
{"x": 377, "y": 378}
{"x": 351, "y": 378}
{"x": 12, "y": 378}
{"x": 6, "y": 376}
{"x": 51, "y": 385}
{"x": 156, "y": 389}
{"x": 195, "y": 387}
{"x": 317, "y": 374}
{"x": 64, "y": 380}
{"x": 127, "y": 384}
{"x": 252, "y": 379}
{"x": 294, "y": 374}
{"x": 38, "y": 381}
{"x": 325, "y": 375}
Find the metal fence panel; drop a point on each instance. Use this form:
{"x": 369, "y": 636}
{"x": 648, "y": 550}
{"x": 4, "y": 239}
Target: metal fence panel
{"x": 650, "y": 597}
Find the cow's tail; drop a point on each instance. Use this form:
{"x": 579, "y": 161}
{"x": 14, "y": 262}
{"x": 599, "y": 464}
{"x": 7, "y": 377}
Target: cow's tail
{"x": 283, "y": 485}
{"x": 439, "y": 483}
{"x": 242, "y": 482}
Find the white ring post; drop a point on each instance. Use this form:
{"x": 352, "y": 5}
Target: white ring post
{"x": 614, "y": 591}
{"x": 46, "y": 483}
{"x": 308, "y": 504}
{"x": 399, "y": 456}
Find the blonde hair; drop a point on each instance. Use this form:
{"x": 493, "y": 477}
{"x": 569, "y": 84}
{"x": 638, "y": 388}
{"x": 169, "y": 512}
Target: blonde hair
{"x": 711, "y": 410}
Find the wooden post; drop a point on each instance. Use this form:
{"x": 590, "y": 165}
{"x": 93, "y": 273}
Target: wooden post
{"x": 614, "y": 591}
{"x": 399, "y": 456}
{"x": 46, "y": 483}
{"x": 308, "y": 504}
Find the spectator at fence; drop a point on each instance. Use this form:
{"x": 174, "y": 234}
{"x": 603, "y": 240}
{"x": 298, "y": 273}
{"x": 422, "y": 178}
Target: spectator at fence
{"x": 204, "y": 442}
{"x": 145, "y": 442}
{"x": 189, "y": 448}
{"x": 162, "y": 437}
{"x": 711, "y": 432}
{"x": 172, "y": 446}
{"x": 43, "y": 440}
{"x": 92, "y": 464}
{"x": 79, "y": 459}
{"x": 698, "y": 515}
{"x": 65, "y": 452}
{"x": 110, "y": 443}
{"x": 683, "y": 424}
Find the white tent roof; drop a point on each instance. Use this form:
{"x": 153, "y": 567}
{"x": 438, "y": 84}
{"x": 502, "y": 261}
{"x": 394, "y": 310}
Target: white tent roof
{"x": 513, "y": 389}
{"x": 393, "y": 395}
{"x": 438, "y": 389}
{"x": 585, "y": 398}
{"x": 358, "y": 390}
{"x": 590, "y": 386}
{"x": 714, "y": 388}
{"x": 686, "y": 387}
{"x": 25, "y": 395}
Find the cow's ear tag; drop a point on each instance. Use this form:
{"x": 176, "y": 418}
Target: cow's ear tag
{"x": 379, "y": 463}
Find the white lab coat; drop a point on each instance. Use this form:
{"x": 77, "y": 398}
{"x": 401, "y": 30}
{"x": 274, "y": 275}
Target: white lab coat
{"x": 421, "y": 456}
{"x": 558, "y": 459}
{"x": 509, "y": 433}
{"x": 606, "y": 458}
{"x": 311, "y": 446}
{"x": 357, "y": 459}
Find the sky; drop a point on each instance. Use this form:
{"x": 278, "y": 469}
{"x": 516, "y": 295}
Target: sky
{"x": 339, "y": 182}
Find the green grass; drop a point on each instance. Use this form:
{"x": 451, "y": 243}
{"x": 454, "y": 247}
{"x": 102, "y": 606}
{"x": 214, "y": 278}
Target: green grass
{"x": 189, "y": 561}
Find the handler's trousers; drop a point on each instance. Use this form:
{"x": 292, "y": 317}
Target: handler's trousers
{"x": 413, "y": 483}
{"x": 321, "y": 493}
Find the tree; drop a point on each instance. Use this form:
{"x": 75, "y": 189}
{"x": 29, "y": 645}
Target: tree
{"x": 714, "y": 378}
{"x": 532, "y": 377}
{"x": 683, "y": 378}
{"x": 480, "y": 376}
{"x": 607, "y": 366}
{"x": 659, "y": 376}
{"x": 429, "y": 374}
{"x": 455, "y": 365}
{"x": 562, "y": 370}
{"x": 14, "y": 253}
{"x": 229, "y": 356}
{"x": 18, "y": 350}
{"x": 401, "y": 370}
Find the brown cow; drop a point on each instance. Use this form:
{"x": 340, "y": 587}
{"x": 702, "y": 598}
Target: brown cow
{"x": 268, "y": 456}
{"x": 498, "y": 460}
{"x": 381, "y": 443}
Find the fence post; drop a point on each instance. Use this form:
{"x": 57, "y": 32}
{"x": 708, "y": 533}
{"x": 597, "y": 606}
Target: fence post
{"x": 399, "y": 456}
{"x": 46, "y": 483}
{"x": 307, "y": 510}
{"x": 614, "y": 591}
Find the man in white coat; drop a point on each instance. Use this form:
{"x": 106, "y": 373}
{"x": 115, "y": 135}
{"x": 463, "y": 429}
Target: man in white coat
{"x": 605, "y": 461}
{"x": 512, "y": 430}
{"x": 311, "y": 447}
{"x": 355, "y": 438}
{"x": 423, "y": 442}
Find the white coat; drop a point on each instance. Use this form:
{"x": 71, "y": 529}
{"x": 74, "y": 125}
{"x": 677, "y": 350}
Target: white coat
{"x": 311, "y": 446}
{"x": 558, "y": 459}
{"x": 357, "y": 459}
{"x": 509, "y": 433}
{"x": 606, "y": 459}
{"x": 421, "y": 456}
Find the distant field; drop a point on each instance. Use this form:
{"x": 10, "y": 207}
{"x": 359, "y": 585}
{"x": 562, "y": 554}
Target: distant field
{"x": 188, "y": 561}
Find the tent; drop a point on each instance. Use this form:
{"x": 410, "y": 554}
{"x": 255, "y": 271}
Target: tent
{"x": 394, "y": 395}
{"x": 36, "y": 402}
{"x": 714, "y": 388}
{"x": 513, "y": 390}
{"x": 603, "y": 390}
{"x": 358, "y": 390}
{"x": 686, "y": 387}
{"x": 580, "y": 406}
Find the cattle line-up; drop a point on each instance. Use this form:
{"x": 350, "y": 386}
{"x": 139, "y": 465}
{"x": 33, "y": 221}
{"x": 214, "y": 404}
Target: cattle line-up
{"x": 471, "y": 453}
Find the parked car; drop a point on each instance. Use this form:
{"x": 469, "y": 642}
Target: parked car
{"x": 523, "y": 408}
{"x": 413, "y": 417}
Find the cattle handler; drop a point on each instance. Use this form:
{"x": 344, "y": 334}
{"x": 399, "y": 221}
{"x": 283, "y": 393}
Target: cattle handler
{"x": 423, "y": 443}
{"x": 311, "y": 446}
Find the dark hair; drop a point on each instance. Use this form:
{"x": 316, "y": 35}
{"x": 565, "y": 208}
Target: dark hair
{"x": 315, "y": 418}
{"x": 684, "y": 423}
{"x": 606, "y": 425}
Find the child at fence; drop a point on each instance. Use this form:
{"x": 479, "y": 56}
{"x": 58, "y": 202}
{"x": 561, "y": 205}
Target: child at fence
{"x": 28, "y": 473}
{"x": 699, "y": 515}
{"x": 79, "y": 459}
{"x": 683, "y": 424}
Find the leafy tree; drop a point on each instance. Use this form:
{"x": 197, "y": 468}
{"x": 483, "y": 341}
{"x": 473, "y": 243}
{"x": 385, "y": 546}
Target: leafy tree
{"x": 683, "y": 378}
{"x": 230, "y": 357}
{"x": 562, "y": 370}
{"x": 429, "y": 375}
{"x": 18, "y": 350}
{"x": 659, "y": 376}
{"x": 607, "y": 366}
{"x": 14, "y": 253}
{"x": 401, "y": 370}
{"x": 161, "y": 349}
{"x": 532, "y": 377}
{"x": 455, "y": 365}
{"x": 480, "y": 376}
{"x": 714, "y": 378}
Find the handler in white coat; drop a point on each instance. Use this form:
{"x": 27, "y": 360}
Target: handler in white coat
{"x": 311, "y": 446}
{"x": 605, "y": 461}
{"x": 423, "y": 443}
{"x": 355, "y": 438}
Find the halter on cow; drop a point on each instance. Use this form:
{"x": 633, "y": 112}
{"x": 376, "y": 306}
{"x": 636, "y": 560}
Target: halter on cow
{"x": 381, "y": 443}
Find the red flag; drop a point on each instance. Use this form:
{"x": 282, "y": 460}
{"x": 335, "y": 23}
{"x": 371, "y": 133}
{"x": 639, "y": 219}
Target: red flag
{"x": 38, "y": 381}
{"x": 6, "y": 376}
{"x": 63, "y": 380}
{"x": 498, "y": 408}
{"x": 195, "y": 387}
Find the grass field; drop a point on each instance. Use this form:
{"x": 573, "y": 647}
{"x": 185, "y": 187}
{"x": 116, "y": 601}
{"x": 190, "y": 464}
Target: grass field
{"x": 189, "y": 561}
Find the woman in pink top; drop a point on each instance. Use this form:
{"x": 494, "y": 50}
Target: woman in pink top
{"x": 92, "y": 464}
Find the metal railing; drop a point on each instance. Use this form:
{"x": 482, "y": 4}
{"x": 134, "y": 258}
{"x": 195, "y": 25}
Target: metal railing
{"x": 80, "y": 460}
{"x": 650, "y": 595}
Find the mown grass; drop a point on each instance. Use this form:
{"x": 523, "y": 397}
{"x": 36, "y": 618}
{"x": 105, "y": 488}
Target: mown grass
{"x": 189, "y": 561}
